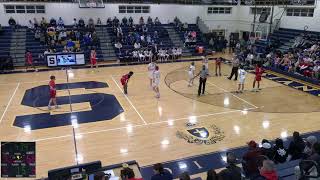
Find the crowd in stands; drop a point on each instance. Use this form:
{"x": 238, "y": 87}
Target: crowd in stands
{"x": 142, "y": 40}
{"x": 302, "y": 59}
{"x": 54, "y": 33}
{"x": 258, "y": 162}
{"x": 190, "y": 37}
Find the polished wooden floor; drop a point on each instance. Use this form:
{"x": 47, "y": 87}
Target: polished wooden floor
{"x": 146, "y": 131}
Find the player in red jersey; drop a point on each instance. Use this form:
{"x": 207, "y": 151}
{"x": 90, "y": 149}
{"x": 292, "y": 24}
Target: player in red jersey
{"x": 258, "y": 71}
{"x": 29, "y": 61}
{"x": 124, "y": 81}
{"x": 218, "y": 66}
{"x": 53, "y": 92}
{"x": 93, "y": 58}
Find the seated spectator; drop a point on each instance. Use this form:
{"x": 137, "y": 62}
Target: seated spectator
{"x": 135, "y": 55}
{"x": 90, "y": 23}
{"x": 149, "y": 40}
{"x": 268, "y": 170}
{"x": 53, "y": 22}
{"x": 60, "y": 28}
{"x": 127, "y": 173}
{"x": 267, "y": 149}
{"x": 118, "y": 45}
{"x": 60, "y": 22}
{"x": 12, "y": 23}
{"x": 70, "y": 45}
{"x": 316, "y": 70}
{"x": 87, "y": 39}
{"x": 157, "y": 21}
{"x": 99, "y": 23}
{"x": 119, "y": 32}
{"x": 232, "y": 171}
{"x": 155, "y": 35}
{"x": 42, "y": 37}
{"x": 130, "y": 21}
{"x": 250, "y": 158}
{"x": 65, "y": 50}
{"x": 99, "y": 176}
{"x": 62, "y": 36}
{"x": 149, "y": 20}
{"x": 176, "y": 21}
{"x": 47, "y": 51}
{"x": 281, "y": 153}
{"x": 212, "y": 175}
{"x": 78, "y": 49}
{"x": 43, "y": 22}
{"x": 81, "y": 23}
{"x": 184, "y": 176}
{"x": 144, "y": 29}
{"x": 185, "y": 26}
{"x": 161, "y": 173}
{"x": 95, "y": 39}
{"x": 296, "y": 147}
{"x": 72, "y": 35}
{"x": 142, "y": 56}
{"x": 310, "y": 141}
{"x": 115, "y": 22}
{"x": 74, "y": 22}
{"x": 142, "y": 39}
{"x": 137, "y": 45}
{"x": 109, "y": 22}
{"x": 35, "y": 23}
{"x": 30, "y": 25}
{"x": 124, "y": 21}
{"x": 141, "y": 21}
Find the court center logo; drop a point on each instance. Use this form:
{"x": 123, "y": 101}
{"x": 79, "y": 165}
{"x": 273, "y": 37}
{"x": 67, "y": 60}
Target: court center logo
{"x": 102, "y": 106}
{"x": 202, "y": 135}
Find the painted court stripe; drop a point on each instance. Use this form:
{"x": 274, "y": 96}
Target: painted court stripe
{"x": 4, "y": 112}
{"x": 129, "y": 101}
{"x": 233, "y": 94}
{"x": 142, "y": 125}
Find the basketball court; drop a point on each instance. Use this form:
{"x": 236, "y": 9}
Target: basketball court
{"x": 96, "y": 121}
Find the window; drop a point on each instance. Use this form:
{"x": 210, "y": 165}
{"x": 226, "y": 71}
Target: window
{"x": 134, "y": 9}
{"x": 22, "y": 9}
{"x": 30, "y": 9}
{"x": 260, "y": 10}
{"x": 219, "y": 10}
{"x": 303, "y": 12}
{"x": 9, "y": 8}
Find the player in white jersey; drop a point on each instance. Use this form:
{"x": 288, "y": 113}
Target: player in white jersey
{"x": 156, "y": 81}
{"x": 191, "y": 70}
{"x": 151, "y": 68}
{"x": 242, "y": 77}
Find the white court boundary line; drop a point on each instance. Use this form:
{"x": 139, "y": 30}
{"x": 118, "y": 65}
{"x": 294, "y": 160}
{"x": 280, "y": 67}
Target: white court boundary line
{"x": 129, "y": 101}
{"x": 143, "y": 125}
{"x": 6, "y": 109}
{"x": 232, "y": 94}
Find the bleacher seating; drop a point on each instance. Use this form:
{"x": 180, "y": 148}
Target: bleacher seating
{"x": 286, "y": 37}
{"x": 199, "y": 41}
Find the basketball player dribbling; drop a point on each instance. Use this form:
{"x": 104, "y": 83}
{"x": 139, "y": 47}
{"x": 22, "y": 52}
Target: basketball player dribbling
{"x": 156, "y": 81}
{"x": 93, "y": 58}
{"x": 53, "y": 93}
{"x": 259, "y": 71}
{"x": 151, "y": 68}
{"x": 191, "y": 70}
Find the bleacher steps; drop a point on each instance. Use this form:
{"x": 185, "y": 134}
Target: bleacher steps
{"x": 176, "y": 40}
{"x": 18, "y": 47}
